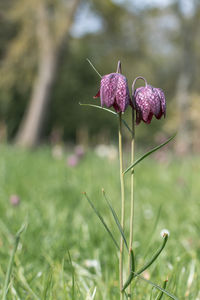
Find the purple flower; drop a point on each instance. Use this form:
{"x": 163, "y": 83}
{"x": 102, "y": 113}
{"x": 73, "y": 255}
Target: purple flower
{"x": 114, "y": 92}
{"x": 148, "y": 101}
{"x": 14, "y": 200}
{"x": 73, "y": 160}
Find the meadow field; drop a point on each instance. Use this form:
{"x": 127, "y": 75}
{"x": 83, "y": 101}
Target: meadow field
{"x": 65, "y": 252}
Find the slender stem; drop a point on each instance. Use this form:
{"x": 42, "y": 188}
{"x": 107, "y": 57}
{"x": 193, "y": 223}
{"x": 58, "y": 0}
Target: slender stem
{"x": 132, "y": 193}
{"x": 11, "y": 262}
{"x": 122, "y": 208}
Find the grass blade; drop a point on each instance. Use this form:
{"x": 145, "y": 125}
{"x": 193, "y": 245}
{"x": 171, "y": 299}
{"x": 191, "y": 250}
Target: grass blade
{"x": 161, "y": 293}
{"x": 93, "y": 67}
{"x": 26, "y": 285}
{"x": 157, "y": 287}
{"x": 150, "y": 262}
{"x": 153, "y": 231}
{"x": 73, "y": 275}
{"x": 148, "y": 153}
{"x": 11, "y": 261}
{"x": 102, "y": 220}
{"x": 115, "y": 218}
{"x": 47, "y": 287}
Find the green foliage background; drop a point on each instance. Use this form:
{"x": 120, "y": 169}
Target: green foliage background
{"x": 149, "y": 41}
{"x": 60, "y": 219}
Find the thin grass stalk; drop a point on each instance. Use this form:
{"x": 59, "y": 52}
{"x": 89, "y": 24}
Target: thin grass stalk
{"x": 11, "y": 262}
{"x": 132, "y": 195}
{"x": 122, "y": 207}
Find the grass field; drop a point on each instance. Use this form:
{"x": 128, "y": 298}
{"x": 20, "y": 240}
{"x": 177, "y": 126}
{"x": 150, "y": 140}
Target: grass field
{"x": 60, "y": 221}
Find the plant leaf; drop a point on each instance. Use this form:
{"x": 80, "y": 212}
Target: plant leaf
{"x": 47, "y": 286}
{"x": 153, "y": 231}
{"x": 108, "y": 110}
{"x": 97, "y": 106}
{"x": 93, "y": 67}
{"x": 157, "y": 287}
{"x": 148, "y": 153}
{"x": 132, "y": 271}
{"x": 149, "y": 263}
{"x": 161, "y": 293}
{"x": 11, "y": 261}
{"x": 126, "y": 125}
{"x": 102, "y": 220}
{"x": 73, "y": 275}
{"x": 116, "y": 219}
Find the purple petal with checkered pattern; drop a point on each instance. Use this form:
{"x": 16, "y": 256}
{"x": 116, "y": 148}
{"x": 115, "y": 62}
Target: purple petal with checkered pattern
{"x": 149, "y": 101}
{"x": 114, "y": 92}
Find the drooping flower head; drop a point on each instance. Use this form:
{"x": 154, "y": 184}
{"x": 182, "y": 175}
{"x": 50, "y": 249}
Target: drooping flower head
{"x": 148, "y": 101}
{"x": 114, "y": 91}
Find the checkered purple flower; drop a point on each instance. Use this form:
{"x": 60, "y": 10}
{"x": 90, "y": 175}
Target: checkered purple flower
{"x": 114, "y": 92}
{"x": 148, "y": 101}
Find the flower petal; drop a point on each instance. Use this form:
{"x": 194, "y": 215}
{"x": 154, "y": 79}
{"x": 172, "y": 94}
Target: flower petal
{"x": 155, "y": 103}
{"x": 97, "y": 95}
{"x": 142, "y": 103}
{"x": 108, "y": 89}
{"x": 149, "y": 101}
{"x": 122, "y": 93}
{"x": 162, "y": 100}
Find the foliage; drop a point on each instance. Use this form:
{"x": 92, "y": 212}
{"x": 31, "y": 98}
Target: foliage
{"x": 56, "y": 211}
{"x": 128, "y": 33}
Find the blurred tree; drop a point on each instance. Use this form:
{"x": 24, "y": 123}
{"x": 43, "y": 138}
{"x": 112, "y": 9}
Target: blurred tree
{"x": 33, "y": 36}
{"x": 187, "y": 36}
{"x": 53, "y": 22}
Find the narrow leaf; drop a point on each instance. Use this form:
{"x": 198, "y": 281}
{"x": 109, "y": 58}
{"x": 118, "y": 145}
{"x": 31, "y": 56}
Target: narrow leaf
{"x": 97, "y": 106}
{"x": 126, "y": 125}
{"x": 132, "y": 271}
{"x": 153, "y": 230}
{"x": 148, "y": 153}
{"x": 108, "y": 110}
{"x": 11, "y": 261}
{"x": 161, "y": 293}
{"x": 102, "y": 220}
{"x": 150, "y": 262}
{"x": 157, "y": 287}
{"x": 93, "y": 67}
{"x": 25, "y": 284}
{"x": 73, "y": 275}
{"x": 151, "y": 296}
{"x": 132, "y": 261}
{"x": 47, "y": 287}
{"x": 116, "y": 219}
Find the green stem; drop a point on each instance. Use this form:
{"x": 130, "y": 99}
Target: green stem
{"x": 122, "y": 208}
{"x": 132, "y": 195}
{"x": 11, "y": 262}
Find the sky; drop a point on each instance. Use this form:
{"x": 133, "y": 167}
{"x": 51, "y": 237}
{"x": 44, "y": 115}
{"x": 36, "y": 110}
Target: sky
{"x": 146, "y": 2}
{"x": 88, "y": 22}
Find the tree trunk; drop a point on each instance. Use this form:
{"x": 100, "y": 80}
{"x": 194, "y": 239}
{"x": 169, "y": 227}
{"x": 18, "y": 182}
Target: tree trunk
{"x": 30, "y": 129}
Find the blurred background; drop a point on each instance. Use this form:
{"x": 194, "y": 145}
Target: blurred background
{"x": 44, "y": 73}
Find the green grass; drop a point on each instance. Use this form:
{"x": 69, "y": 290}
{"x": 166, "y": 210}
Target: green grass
{"x": 63, "y": 233}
